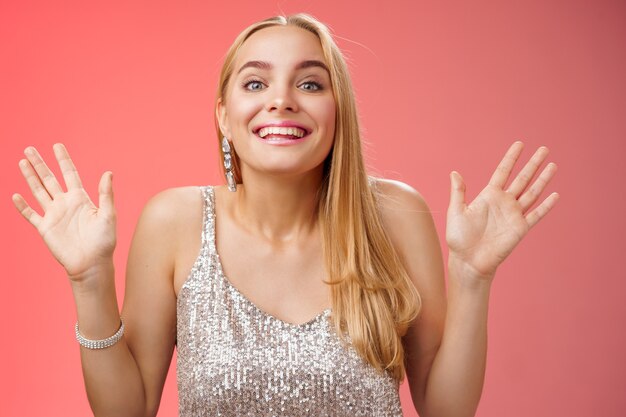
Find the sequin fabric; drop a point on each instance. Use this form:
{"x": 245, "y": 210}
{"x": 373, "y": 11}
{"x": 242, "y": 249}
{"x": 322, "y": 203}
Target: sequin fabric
{"x": 235, "y": 360}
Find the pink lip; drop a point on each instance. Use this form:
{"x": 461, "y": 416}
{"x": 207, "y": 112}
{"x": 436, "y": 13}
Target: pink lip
{"x": 282, "y": 142}
{"x": 284, "y": 123}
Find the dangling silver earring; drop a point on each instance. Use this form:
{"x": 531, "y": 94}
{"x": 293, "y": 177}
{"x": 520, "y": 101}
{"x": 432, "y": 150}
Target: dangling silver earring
{"x": 228, "y": 165}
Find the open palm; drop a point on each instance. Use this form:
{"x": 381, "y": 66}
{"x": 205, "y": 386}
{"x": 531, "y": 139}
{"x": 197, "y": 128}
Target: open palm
{"x": 483, "y": 233}
{"x": 79, "y": 234}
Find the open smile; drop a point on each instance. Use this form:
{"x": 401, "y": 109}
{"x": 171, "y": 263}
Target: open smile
{"x": 281, "y": 135}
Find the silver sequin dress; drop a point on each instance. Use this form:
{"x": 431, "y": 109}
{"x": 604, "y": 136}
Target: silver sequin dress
{"x": 235, "y": 360}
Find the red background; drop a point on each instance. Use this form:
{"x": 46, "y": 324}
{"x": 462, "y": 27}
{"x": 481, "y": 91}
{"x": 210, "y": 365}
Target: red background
{"x": 129, "y": 87}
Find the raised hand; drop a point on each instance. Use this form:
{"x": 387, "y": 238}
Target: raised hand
{"x": 482, "y": 234}
{"x": 80, "y": 235}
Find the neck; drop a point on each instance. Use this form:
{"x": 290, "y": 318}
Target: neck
{"x": 281, "y": 209}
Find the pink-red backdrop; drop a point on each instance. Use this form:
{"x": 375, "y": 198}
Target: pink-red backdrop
{"x": 129, "y": 87}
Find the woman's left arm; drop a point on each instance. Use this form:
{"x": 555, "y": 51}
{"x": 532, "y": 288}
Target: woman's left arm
{"x": 446, "y": 378}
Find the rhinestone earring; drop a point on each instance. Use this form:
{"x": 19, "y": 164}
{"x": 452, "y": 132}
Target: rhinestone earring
{"x": 228, "y": 165}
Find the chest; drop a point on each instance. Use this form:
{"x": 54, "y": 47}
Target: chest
{"x": 284, "y": 280}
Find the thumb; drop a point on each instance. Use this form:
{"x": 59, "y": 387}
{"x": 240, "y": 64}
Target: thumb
{"x": 457, "y": 192}
{"x": 105, "y": 190}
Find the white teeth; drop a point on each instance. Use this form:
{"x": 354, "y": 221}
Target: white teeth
{"x": 293, "y": 131}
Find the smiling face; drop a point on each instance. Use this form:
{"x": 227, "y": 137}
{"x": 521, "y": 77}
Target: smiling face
{"x": 279, "y": 108}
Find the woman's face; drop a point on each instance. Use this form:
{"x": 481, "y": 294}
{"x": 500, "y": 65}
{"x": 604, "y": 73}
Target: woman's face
{"x": 279, "y": 109}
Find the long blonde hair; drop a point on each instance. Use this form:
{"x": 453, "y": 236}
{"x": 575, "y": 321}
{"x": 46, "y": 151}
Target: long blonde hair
{"x": 373, "y": 298}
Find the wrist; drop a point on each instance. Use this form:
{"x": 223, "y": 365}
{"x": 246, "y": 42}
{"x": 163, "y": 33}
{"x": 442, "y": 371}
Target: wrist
{"x": 466, "y": 275}
{"x": 96, "y": 302}
{"x": 93, "y": 279}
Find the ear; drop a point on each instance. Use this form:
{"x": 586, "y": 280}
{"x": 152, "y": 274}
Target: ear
{"x": 220, "y": 114}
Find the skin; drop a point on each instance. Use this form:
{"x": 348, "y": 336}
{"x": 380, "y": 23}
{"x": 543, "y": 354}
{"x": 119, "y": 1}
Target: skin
{"x": 273, "y": 217}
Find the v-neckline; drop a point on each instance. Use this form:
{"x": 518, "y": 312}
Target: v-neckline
{"x": 220, "y": 271}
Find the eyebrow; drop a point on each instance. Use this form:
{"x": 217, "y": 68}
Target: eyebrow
{"x": 309, "y": 63}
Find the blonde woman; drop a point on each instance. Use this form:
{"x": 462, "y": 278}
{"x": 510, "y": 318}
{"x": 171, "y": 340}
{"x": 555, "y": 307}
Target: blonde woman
{"x": 304, "y": 287}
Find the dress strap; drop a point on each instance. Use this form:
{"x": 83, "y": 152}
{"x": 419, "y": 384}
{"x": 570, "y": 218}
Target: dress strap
{"x": 208, "y": 229}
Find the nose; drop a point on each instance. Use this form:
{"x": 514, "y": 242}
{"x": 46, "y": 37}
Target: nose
{"x": 281, "y": 100}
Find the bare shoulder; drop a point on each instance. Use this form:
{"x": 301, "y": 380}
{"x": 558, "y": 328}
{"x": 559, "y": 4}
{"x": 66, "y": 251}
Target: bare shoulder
{"x": 410, "y": 226}
{"x": 168, "y": 207}
{"x": 400, "y": 204}
{"x": 168, "y": 222}
{"x": 399, "y": 194}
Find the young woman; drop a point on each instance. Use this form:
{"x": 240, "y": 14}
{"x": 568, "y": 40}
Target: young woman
{"x": 304, "y": 287}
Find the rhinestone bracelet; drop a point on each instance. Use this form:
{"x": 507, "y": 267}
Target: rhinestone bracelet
{"x": 102, "y": 343}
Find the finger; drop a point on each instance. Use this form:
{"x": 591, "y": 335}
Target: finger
{"x": 502, "y": 172}
{"x": 542, "y": 209}
{"x": 35, "y": 185}
{"x": 105, "y": 190}
{"x": 25, "y": 210}
{"x": 69, "y": 171}
{"x": 48, "y": 179}
{"x": 524, "y": 177}
{"x": 457, "y": 192}
{"x": 530, "y": 196}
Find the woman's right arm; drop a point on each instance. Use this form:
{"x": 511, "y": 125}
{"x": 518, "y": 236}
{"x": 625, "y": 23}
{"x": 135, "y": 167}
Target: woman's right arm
{"x": 127, "y": 378}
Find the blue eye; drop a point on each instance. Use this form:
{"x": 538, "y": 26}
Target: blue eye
{"x": 310, "y": 86}
{"x": 253, "y": 85}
